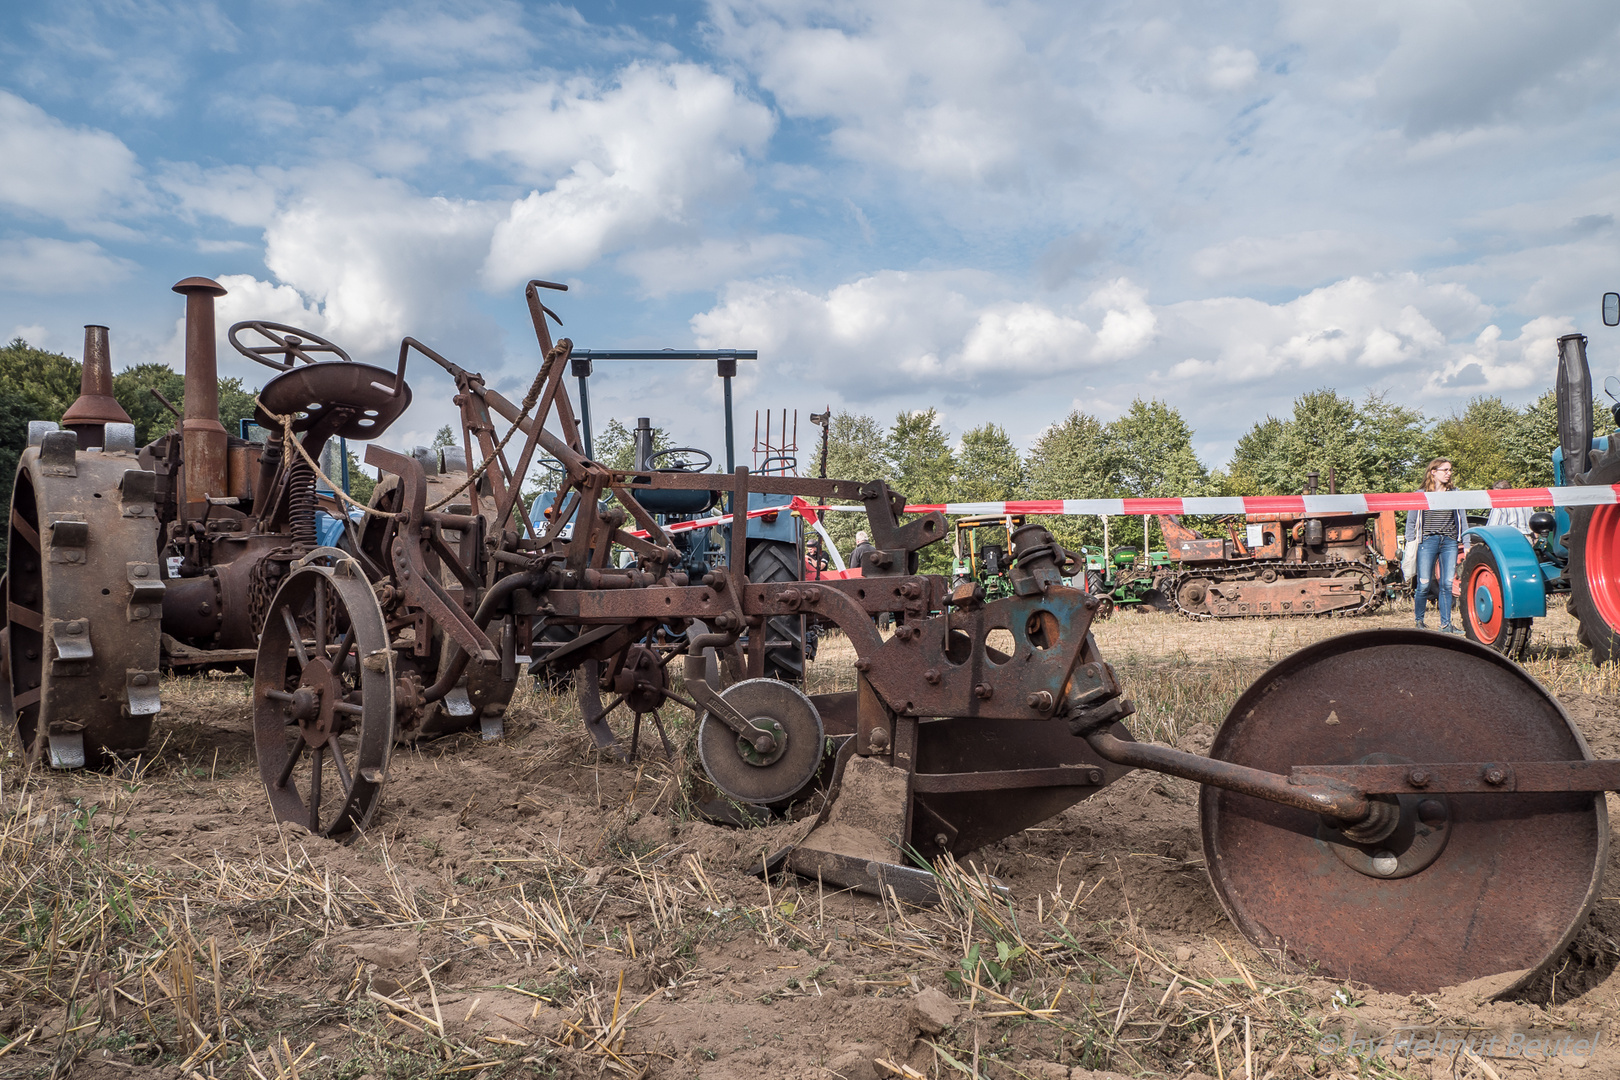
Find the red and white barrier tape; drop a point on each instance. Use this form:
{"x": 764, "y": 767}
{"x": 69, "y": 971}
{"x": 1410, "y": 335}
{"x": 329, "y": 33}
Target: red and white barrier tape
{"x": 1246, "y": 505}
{"x": 1261, "y": 505}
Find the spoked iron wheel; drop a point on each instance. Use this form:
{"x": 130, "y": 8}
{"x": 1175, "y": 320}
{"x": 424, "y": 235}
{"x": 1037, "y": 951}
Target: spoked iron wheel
{"x": 323, "y": 699}
{"x": 1466, "y": 885}
{"x": 1483, "y": 601}
{"x": 639, "y": 682}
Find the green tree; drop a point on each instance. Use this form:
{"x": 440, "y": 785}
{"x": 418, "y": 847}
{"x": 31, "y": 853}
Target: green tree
{"x": 854, "y": 452}
{"x": 133, "y": 388}
{"x": 988, "y": 468}
{"x": 1072, "y": 459}
{"x": 1391, "y": 439}
{"x": 1153, "y": 452}
{"x": 34, "y": 385}
{"x": 444, "y": 437}
{"x": 1371, "y": 446}
{"x": 1322, "y": 435}
{"x": 919, "y": 457}
{"x": 920, "y": 468}
{"x": 1259, "y": 465}
{"x": 1479, "y": 441}
{"x": 48, "y": 378}
{"x": 236, "y": 403}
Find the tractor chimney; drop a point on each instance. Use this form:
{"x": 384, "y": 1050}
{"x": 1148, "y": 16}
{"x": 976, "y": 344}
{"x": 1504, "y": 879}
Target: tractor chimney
{"x": 202, "y": 434}
{"x": 95, "y": 407}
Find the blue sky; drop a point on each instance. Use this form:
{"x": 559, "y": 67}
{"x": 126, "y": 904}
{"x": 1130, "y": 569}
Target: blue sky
{"x": 1002, "y": 210}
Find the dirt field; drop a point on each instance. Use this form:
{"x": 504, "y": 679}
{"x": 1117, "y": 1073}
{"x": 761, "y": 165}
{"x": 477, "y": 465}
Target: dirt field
{"x": 521, "y": 908}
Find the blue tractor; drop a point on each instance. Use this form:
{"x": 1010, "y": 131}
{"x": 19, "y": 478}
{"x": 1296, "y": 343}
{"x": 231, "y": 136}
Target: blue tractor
{"x": 1573, "y": 551}
{"x": 774, "y": 541}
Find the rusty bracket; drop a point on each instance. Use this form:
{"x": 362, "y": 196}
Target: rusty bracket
{"x": 945, "y": 666}
{"x": 895, "y": 542}
{"x": 419, "y": 584}
{"x": 146, "y": 590}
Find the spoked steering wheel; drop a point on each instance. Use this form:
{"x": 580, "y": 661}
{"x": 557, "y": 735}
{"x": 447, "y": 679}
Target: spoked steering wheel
{"x": 683, "y": 465}
{"x": 287, "y": 345}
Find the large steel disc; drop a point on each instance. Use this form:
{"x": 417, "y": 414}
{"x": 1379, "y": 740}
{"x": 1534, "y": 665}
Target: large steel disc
{"x": 737, "y": 768}
{"x": 1481, "y": 885}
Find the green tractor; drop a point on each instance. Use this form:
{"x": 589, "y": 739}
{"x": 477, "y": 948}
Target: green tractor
{"x": 981, "y": 547}
{"x": 1126, "y": 578}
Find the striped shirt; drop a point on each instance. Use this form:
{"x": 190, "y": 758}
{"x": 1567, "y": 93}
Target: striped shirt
{"x": 1440, "y": 523}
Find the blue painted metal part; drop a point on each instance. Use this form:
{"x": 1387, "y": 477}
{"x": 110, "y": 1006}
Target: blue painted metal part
{"x": 1524, "y": 591}
{"x": 784, "y": 528}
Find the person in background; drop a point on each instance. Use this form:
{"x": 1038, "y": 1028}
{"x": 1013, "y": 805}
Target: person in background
{"x": 815, "y": 559}
{"x": 863, "y": 546}
{"x": 1437, "y": 534}
{"x": 1516, "y": 516}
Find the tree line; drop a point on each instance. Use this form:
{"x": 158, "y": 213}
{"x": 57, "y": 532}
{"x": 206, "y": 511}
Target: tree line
{"x": 1368, "y": 445}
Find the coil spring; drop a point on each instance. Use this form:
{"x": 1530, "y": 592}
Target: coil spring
{"x": 301, "y": 505}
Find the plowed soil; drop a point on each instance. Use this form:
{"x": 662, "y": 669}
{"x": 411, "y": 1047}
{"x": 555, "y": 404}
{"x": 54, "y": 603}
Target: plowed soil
{"x": 524, "y": 907}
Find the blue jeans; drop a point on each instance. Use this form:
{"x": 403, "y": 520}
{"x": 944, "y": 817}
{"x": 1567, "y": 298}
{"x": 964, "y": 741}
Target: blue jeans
{"x": 1436, "y": 565}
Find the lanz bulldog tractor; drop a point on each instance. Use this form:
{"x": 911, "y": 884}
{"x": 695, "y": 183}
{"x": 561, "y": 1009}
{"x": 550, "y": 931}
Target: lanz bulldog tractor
{"x": 1386, "y": 805}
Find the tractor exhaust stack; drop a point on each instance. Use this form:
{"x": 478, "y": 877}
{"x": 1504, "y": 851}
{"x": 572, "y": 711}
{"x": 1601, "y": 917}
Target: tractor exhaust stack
{"x": 95, "y": 406}
{"x": 203, "y": 434}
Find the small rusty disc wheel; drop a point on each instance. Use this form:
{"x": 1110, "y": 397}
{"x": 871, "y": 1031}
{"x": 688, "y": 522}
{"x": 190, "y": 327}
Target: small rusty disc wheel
{"x": 1467, "y": 885}
{"x": 744, "y": 773}
{"x": 323, "y": 698}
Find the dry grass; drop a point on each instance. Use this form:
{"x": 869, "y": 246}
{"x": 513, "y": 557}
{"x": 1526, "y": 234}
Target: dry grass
{"x": 129, "y": 949}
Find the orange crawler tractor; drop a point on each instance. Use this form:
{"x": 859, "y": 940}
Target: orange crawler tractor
{"x": 1280, "y": 564}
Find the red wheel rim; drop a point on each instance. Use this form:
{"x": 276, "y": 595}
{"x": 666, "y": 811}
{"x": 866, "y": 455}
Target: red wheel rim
{"x": 1484, "y": 578}
{"x": 1602, "y": 556}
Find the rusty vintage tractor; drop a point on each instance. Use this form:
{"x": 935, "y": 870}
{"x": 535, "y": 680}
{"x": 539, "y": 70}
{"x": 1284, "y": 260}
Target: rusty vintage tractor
{"x": 1396, "y": 807}
{"x": 1280, "y": 565}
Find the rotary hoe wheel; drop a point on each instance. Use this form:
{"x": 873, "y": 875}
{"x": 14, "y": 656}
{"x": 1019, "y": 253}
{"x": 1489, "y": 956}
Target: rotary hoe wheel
{"x": 323, "y": 698}
{"x": 1466, "y": 885}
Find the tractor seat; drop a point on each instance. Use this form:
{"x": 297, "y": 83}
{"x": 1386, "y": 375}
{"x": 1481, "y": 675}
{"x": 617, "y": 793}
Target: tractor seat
{"x": 363, "y": 400}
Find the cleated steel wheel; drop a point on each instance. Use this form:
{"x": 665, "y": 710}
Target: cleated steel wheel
{"x": 323, "y": 697}
{"x": 1482, "y": 603}
{"x": 1466, "y": 885}
{"x": 84, "y": 601}
{"x": 1594, "y": 566}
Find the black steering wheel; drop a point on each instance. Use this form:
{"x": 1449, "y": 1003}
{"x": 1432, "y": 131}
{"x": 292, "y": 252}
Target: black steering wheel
{"x": 682, "y": 466}
{"x": 291, "y": 343}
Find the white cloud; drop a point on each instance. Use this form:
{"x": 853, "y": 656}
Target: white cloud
{"x": 1347, "y": 333}
{"x": 703, "y": 265}
{"x": 955, "y": 89}
{"x": 929, "y": 333}
{"x": 1292, "y": 258}
{"x": 425, "y": 37}
{"x": 1231, "y": 69}
{"x": 41, "y": 265}
{"x": 381, "y": 260}
{"x": 72, "y": 174}
{"x": 620, "y": 163}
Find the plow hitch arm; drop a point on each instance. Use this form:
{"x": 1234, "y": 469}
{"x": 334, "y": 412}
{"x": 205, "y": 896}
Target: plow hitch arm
{"x": 1305, "y": 790}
